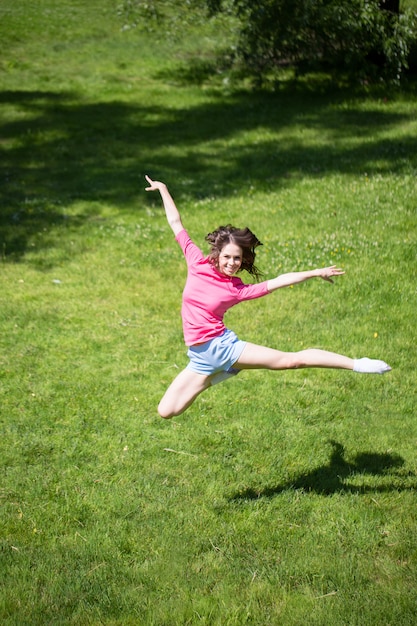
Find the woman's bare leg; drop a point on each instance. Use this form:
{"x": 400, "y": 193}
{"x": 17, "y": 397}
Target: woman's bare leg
{"x": 188, "y": 385}
{"x": 182, "y": 392}
{"x": 254, "y": 357}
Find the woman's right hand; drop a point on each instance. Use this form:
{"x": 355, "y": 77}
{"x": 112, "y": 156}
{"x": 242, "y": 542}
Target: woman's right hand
{"x": 154, "y": 185}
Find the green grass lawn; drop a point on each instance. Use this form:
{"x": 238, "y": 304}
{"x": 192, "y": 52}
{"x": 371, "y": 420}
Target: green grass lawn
{"x": 277, "y": 498}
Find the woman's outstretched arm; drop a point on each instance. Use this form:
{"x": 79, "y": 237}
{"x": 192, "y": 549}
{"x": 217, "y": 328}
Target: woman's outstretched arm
{"x": 171, "y": 211}
{"x": 292, "y": 278}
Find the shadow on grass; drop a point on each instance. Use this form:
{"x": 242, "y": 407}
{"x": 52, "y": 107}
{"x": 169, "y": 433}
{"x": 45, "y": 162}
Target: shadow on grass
{"x": 58, "y": 148}
{"x": 334, "y": 477}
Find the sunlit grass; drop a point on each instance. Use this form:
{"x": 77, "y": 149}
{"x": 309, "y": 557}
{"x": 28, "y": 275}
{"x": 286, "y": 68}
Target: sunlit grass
{"x": 277, "y": 498}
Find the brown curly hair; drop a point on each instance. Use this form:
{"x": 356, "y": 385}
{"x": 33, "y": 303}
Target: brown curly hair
{"x": 242, "y": 237}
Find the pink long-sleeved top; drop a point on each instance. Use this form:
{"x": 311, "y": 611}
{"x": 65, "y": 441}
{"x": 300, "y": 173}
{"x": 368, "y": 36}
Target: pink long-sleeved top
{"x": 208, "y": 294}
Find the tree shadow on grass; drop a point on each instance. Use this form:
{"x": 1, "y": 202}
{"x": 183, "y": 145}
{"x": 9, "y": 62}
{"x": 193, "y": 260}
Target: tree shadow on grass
{"x": 339, "y": 476}
{"x": 59, "y": 149}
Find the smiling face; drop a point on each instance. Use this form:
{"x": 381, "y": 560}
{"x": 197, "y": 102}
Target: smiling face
{"x": 230, "y": 259}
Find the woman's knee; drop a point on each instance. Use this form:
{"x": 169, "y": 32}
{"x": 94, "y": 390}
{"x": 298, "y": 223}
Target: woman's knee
{"x": 292, "y": 360}
{"x": 182, "y": 393}
{"x": 165, "y": 411}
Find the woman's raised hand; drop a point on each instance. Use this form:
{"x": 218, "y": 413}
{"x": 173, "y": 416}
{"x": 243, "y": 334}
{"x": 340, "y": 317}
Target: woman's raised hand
{"x": 154, "y": 185}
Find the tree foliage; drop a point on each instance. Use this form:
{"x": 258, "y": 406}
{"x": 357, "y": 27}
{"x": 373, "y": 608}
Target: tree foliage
{"x": 351, "y": 35}
{"x": 365, "y": 38}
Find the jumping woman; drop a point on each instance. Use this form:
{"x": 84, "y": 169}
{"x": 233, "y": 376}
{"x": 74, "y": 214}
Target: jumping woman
{"x": 212, "y": 288}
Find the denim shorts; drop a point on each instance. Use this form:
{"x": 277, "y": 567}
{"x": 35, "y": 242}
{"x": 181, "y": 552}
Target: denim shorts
{"x": 218, "y": 354}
